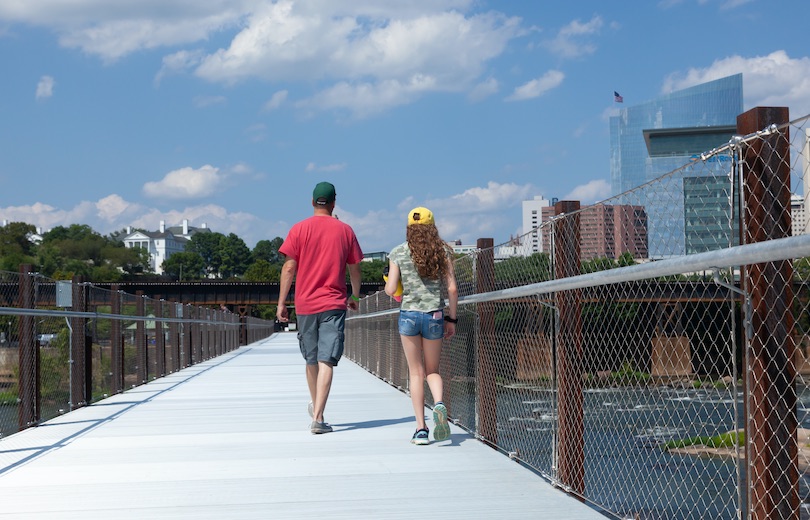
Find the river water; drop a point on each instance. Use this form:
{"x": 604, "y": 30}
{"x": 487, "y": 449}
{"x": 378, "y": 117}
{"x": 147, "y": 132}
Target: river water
{"x": 626, "y": 471}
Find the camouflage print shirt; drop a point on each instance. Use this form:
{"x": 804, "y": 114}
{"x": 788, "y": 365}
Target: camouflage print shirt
{"x": 418, "y": 294}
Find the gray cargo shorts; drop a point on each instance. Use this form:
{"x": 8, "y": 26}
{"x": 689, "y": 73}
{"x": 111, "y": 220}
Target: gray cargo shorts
{"x": 320, "y": 336}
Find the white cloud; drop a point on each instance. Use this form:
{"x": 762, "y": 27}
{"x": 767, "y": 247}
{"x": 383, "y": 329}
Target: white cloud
{"x": 772, "y": 80}
{"x": 312, "y": 167}
{"x": 115, "y": 36}
{"x": 45, "y": 87}
{"x": 277, "y": 99}
{"x": 296, "y": 40}
{"x": 367, "y": 99}
{"x": 256, "y": 133}
{"x": 208, "y": 101}
{"x": 609, "y": 112}
{"x": 368, "y": 58}
{"x": 102, "y": 216}
{"x": 483, "y": 90}
{"x": 593, "y": 191}
{"x": 178, "y": 63}
{"x": 113, "y": 213}
{"x": 568, "y": 42}
{"x": 733, "y": 4}
{"x": 396, "y": 50}
{"x": 537, "y": 87}
{"x": 480, "y": 212}
{"x": 186, "y": 183}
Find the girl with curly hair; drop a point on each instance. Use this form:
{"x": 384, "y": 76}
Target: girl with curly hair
{"x": 424, "y": 265}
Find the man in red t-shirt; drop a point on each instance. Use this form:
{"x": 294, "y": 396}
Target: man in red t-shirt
{"x": 318, "y": 250}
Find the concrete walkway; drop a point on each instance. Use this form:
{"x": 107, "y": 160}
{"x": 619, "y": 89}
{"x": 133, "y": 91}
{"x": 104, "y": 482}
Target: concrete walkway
{"x": 229, "y": 439}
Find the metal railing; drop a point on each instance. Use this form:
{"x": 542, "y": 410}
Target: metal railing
{"x": 665, "y": 379}
{"x": 66, "y": 344}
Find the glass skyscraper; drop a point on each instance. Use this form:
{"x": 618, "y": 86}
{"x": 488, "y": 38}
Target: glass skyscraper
{"x": 655, "y": 138}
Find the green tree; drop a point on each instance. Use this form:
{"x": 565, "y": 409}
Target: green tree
{"x": 262, "y": 271}
{"x": 598, "y": 264}
{"x": 626, "y": 259}
{"x": 523, "y": 270}
{"x": 372, "y": 271}
{"x": 801, "y": 268}
{"x": 15, "y": 237}
{"x": 185, "y": 265}
{"x": 129, "y": 260}
{"x": 77, "y": 242}
{"x": 118, "y": 236}
{"x": 234, "y": 256}
{"x": 207, "y": 246}
{"x": 50, "y": 259}
{"x": 268, "y": 250}
{"x": 15, "y": 245}
{"x": 78, "y": 250}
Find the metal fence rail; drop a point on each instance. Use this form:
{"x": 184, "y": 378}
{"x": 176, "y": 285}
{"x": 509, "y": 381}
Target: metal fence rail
{"x": 66, "y": 344}
{"x": 661, "y": 373}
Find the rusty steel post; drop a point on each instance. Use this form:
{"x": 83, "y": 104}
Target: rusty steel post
{"x": 771, "y": 428}
{"x": 160, "y": 341}
{"x": 486, "y": 347}
{"x": 203, "y": 315}
{"x": 197, "y": 328}
{"x": 188, "y": 329}
{"x": 28, "y": 411}
{"x": 78, "y": 347}
{"x": 142, "y": 372}
{"x": 571, "y": 442}
{"x": 244, "y": 312}
{"x": 174, "y": 337}
{"x": 116, "y": 343}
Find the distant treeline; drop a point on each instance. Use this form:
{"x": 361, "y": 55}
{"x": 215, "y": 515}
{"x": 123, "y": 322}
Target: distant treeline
{"x": 77, "y": 249}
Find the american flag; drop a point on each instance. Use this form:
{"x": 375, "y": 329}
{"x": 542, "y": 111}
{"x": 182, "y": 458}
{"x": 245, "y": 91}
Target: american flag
{"x": 617, "y": 98}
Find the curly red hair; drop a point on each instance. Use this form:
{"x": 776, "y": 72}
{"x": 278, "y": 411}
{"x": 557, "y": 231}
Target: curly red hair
{"x": 429, "y": 253}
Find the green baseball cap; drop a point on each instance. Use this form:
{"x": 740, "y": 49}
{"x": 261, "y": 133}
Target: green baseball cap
{"x": 324, "y": 193}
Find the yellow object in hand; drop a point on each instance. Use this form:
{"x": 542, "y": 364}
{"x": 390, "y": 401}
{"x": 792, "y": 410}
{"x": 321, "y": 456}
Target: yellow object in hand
{"x": 398, "y": 293}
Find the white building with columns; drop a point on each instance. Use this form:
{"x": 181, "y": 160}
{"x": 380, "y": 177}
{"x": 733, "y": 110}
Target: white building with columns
{"x": 163, "y": 243}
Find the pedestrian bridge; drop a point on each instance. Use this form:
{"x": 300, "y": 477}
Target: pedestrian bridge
{"x": 229, "y": 438}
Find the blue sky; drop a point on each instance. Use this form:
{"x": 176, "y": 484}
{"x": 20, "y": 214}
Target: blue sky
{"x": 228, "y": 112}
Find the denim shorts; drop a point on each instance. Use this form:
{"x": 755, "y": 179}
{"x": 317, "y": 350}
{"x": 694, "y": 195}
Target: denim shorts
{"x": 429, "y": 324}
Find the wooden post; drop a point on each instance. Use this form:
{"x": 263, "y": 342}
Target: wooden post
{"x": 485, "y": 376}
{"x": 571, "y": 443}
{"x": 773, "y": 478}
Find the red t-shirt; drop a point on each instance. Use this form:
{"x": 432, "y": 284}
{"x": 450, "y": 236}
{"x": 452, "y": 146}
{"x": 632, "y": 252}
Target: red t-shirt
{"x": 321, "y": 246}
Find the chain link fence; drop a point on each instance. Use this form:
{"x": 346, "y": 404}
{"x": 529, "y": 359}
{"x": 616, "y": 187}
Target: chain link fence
{"x": 654, "y": 360}
{"x": 66, "y": 344}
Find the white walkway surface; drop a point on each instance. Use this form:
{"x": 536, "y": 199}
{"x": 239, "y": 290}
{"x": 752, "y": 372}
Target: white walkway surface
{"x": 229, "y": 439}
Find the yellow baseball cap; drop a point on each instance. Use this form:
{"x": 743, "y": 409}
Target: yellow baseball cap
{"x": 420, "y": 215}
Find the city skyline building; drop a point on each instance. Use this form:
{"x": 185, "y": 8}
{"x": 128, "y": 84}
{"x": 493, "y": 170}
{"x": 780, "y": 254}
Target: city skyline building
{"x": 606, "y": 231}
{"x": 532, "y": 218}
{"x": 652, "y": 139}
